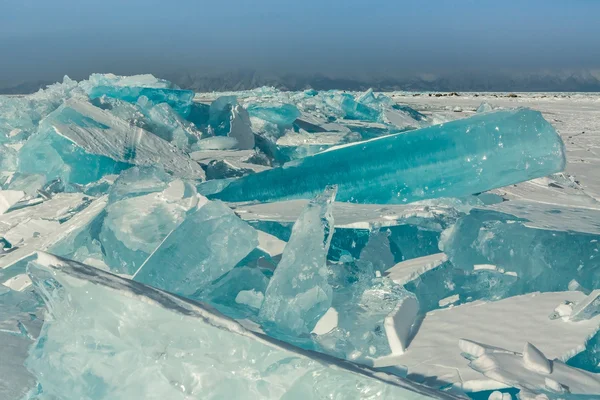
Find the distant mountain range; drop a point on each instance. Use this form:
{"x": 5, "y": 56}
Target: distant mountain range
{"x": 546, "y": 81}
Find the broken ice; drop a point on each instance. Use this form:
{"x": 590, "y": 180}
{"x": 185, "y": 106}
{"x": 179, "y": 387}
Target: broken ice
{"x": 450, "y": 160}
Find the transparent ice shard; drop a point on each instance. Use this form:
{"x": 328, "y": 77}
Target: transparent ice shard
{"x": 180, "y": 341}
{"x": 484, "y": 107}
{"x": 452, "y": 160}
{"x": 135, "y": 226}
{"x": 205, "y": 246}
{"x": 80, "y": 143}
{"x": 280, "y": 114}
{"x": 179, "y": 100}
{"x": 165, "y": 122}
{"x": 299, "y": 293}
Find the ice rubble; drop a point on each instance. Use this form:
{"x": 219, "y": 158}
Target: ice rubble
{"x": 414, "y": 263}
{"x": 221, "y": 359}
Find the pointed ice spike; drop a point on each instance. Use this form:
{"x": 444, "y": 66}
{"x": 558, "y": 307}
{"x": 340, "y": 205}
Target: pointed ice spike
{"x": 456, "y": 159}
{"x": 205, "y": 246}
{"x": 299, "y": 294}
{"x": 535, "y": 360}
{"x": 80, "y": 143}
{"x": 240, "y": 128}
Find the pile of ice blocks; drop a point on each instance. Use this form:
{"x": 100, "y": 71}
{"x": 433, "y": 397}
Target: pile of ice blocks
{"x": 159, "y": 244}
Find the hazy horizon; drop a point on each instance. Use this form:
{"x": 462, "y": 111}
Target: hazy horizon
{"x": 43, "y": 41}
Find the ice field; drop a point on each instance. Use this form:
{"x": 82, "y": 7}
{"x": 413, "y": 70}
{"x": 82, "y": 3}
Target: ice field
{"x": 163, "y": 244}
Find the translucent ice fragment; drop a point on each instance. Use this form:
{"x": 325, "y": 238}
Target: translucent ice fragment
{"x": 251, "y": 298}
{"x": 451, "y": 160}
{"x": 299, "y": 294}
{"x": 180, "y": 100}
{"x": 206, "y": 245}
{"x": 165, "y": 122}
{"x": 80, "y": 143}
{"x": 161, "y": 344}
{"x": 484, "y": 107}
{"x": 280, "y": 114}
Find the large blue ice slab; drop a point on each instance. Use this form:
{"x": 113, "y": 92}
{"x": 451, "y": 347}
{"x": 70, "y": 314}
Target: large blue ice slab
{"x": 456, "y": 159}
{"x": 180, "y": 100}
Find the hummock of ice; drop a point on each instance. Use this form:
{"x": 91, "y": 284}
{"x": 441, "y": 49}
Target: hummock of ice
{"x": 92, "y": 347}
{"x": 287, "y": 245}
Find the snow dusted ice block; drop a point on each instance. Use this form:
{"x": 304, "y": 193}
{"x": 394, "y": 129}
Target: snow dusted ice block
{"x": 80, "y": 143}
{"x": 179, "y": 100}
{"x": 530, "y": 371}
{"x": 433, "y": 355}
{"x": 179, "y": 341}
{"x": 299, "y": 293}
{"x": 450, "y": 160}
{"x": 205, "y": 246}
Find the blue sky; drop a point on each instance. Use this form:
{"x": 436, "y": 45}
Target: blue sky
{"x": 45, "y": 39}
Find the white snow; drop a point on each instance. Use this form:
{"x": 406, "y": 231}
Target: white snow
{"x": 534, "y": 360}
{"x": 19, "y": 282}
{"x": 433, "y": 352}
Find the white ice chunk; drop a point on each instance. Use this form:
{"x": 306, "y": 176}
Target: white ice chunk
{"x": 409, "y": 270}
{"x": 9, "y": 198}
{"x": 240, "y": 128}
{"x": 399, "y": 323}
{"x": 327, "y": 323}
{"x": 534, "y": 360}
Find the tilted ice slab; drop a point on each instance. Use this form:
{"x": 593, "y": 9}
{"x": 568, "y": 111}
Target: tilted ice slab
{"x": 530, "y": 371}
{"x": 98, "y": 138}
{"x": 346, "y": 215}
{"x": 433, "y": 355}
{"x": 171, "y": 348}
{"x": 456, "y": 159}
{"x": 209, "y": 242}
